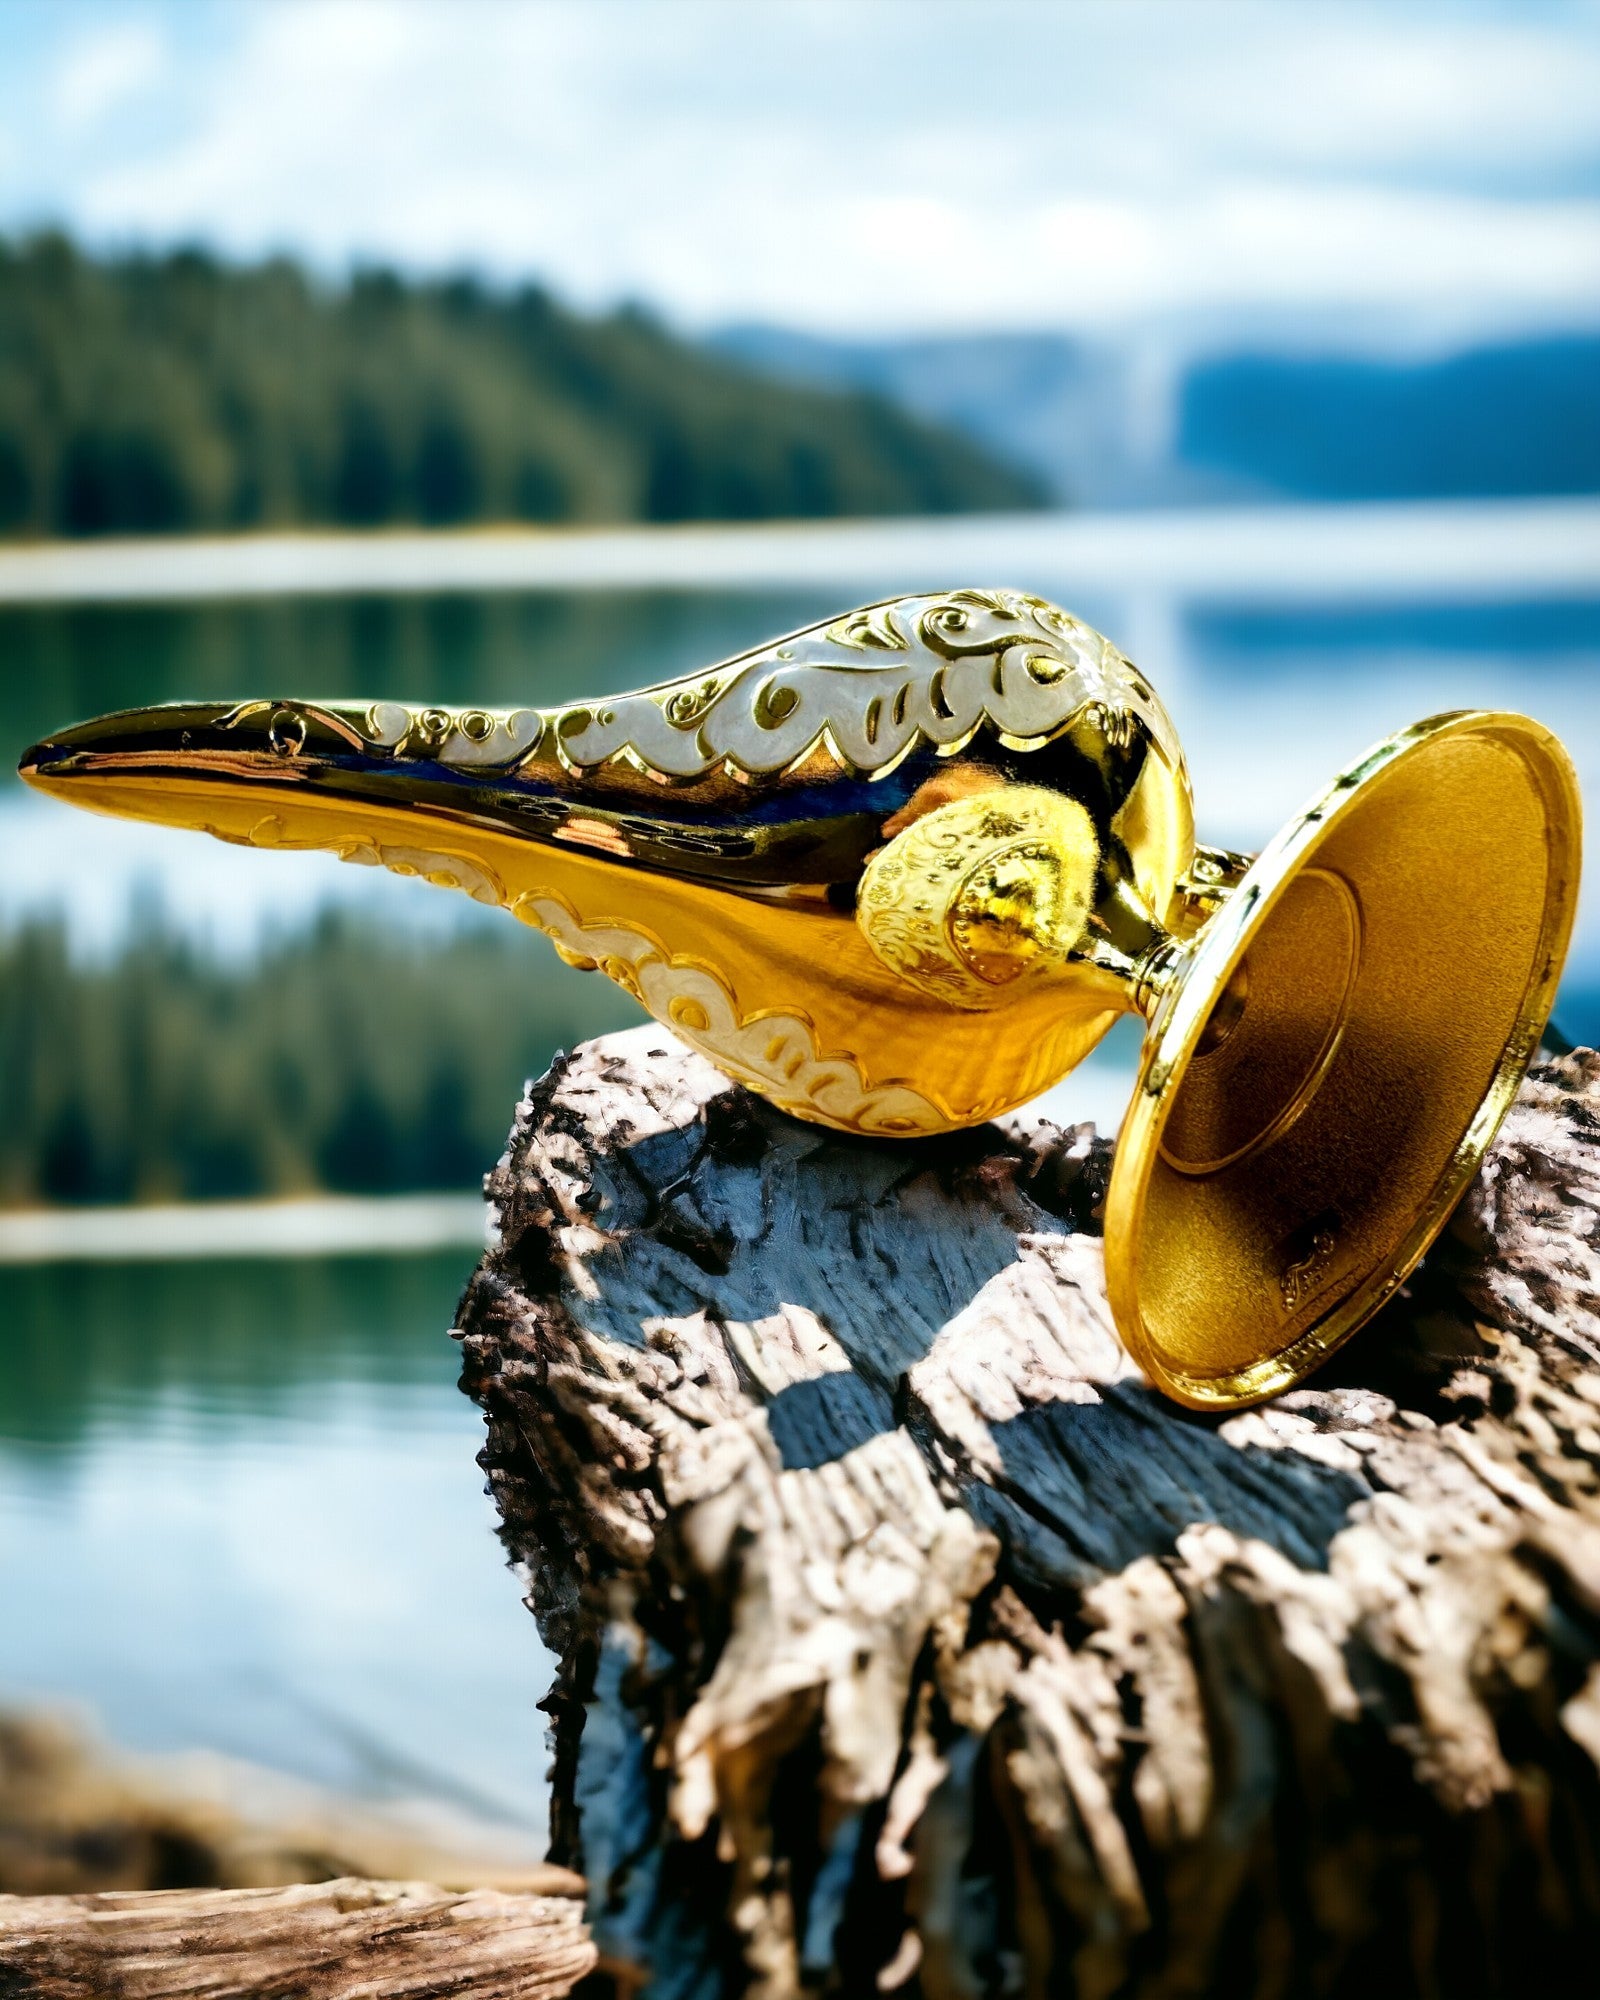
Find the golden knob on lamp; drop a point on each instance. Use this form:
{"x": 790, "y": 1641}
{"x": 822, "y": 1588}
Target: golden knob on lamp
{"x": 971, "y": 896}
{"x": 900, "y": 871}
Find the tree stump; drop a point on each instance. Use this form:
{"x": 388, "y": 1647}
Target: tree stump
{"x": 909, "y": 1642}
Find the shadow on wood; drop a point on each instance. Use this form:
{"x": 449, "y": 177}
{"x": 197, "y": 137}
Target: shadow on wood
{"x": 910, "y": 1643}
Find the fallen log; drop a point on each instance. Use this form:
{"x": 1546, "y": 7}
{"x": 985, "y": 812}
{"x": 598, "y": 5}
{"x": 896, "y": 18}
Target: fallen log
{"x": 343, "y": 1940}
{"x": 909, "y": 1642}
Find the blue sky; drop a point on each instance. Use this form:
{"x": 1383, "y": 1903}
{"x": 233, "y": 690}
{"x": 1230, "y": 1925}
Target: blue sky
{"x": 904, "y": 165}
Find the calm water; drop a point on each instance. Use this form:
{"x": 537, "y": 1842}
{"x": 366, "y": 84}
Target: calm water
{"x": 238, "y": 1504}
{"x": 239, "y": 1510}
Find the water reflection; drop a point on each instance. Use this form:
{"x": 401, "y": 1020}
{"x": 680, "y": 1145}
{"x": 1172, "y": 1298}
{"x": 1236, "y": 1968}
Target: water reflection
{"x": 239, "y": 1510}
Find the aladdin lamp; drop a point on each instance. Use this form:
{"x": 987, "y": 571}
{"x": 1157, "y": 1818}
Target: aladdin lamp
{"x": 899, "y": 873}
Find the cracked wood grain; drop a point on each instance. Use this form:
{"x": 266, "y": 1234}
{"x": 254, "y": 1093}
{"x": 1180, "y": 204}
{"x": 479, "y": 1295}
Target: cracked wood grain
{"x": 343, "y": 1940}
{"x": 910, "y": 1643}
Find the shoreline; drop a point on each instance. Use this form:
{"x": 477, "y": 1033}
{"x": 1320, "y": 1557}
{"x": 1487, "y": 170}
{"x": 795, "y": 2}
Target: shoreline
{"x": 302, "y": 1226}
{"x": 1421, "y": 550}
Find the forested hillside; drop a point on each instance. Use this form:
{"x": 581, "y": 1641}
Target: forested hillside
{"x": 161, "y": 394}
{"x": 342, "y": 1057}
{"x": 1139, "y": 420}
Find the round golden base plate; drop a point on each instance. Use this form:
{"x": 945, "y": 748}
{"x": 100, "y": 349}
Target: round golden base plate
{"x": 1332, "y": 1057}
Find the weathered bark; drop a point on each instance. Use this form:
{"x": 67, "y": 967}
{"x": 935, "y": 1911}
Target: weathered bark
{"x": 909, "y": 1641}
{"x": 345, "y": 1940}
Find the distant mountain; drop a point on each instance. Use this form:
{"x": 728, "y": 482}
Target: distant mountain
{"x": 1142, "y": 422}
{"x": 1510, "y": 419}
{"x": 163, "y": 394}
{"x": 1042, "y": 401}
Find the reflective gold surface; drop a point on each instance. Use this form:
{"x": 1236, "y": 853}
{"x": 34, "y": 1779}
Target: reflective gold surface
{"x": 899, "y": 872}
{"x": 1329, "y": 1058}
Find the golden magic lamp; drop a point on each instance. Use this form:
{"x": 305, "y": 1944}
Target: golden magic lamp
{"x": 901, "y": 871}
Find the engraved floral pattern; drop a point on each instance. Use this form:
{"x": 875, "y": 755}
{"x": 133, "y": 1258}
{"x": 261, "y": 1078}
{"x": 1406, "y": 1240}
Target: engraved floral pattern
{"x": 864, "y": 690}
{"x": 775, "y": 1054}
{"x": 444, "y": 871}
{"x": 861, "y": 692}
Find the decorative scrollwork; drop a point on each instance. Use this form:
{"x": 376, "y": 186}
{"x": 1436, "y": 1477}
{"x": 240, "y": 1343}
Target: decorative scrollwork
{"x": 288, "y": 721}
{"x": 773, "y": 1053}
{"x": 443, "y": 870}
{"x": 980, "y": 658}
{"x": 947, "y": 625}
{"x": 685, "y": 705}
{"x": 1301, "y": 1276}
{"x": 863, "y": 691}
{"x": 473, "y": 736}
{"x": 872, "y": 630}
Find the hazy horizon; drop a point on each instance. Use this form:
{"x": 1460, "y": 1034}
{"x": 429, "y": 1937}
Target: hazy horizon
{"x": 1357, "y": 174}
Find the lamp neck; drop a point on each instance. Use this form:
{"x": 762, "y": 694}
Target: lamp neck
{"x": 1143, "y": 957}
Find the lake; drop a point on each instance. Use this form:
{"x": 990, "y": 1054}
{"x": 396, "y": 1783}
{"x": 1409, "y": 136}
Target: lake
{"x": 239, "y": 1511}
{"x": 238, "y": 1503}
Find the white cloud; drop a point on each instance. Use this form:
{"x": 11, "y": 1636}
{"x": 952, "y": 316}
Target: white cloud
{"x": 104, "y": 71}
{"x": 890, "y": 166}
{"x": 1438, "y": 91}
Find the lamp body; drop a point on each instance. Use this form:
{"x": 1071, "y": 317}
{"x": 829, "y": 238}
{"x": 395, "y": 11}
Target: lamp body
{"x": 900, "y": 871}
